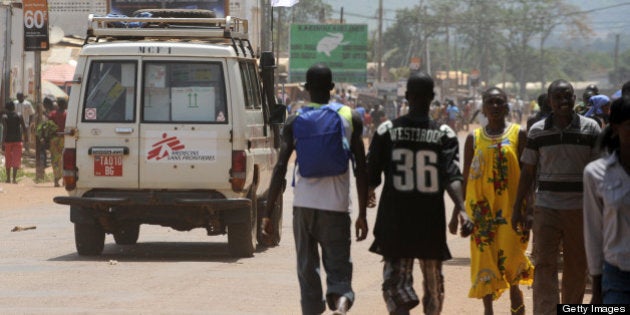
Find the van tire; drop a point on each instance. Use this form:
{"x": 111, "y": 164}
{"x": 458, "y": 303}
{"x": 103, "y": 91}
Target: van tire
{"x": 127, "y": 234}
{"x": 89, "y": 239}
{"x": 242, "y": 235}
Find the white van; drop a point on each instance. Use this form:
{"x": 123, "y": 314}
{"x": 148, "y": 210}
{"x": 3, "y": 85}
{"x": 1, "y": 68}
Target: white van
{"x": 169, "y": 124}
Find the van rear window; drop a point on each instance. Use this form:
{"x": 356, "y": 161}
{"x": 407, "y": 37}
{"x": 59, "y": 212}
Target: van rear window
{"x": 111, "y": 92}
{"x": 183, "y": 92}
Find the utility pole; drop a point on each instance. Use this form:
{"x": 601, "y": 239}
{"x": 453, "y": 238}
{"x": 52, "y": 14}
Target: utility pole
{"x": 265, "y": 31}
{"x": 277, "y": 53}
{"x": 427, "y": 50}
{"x": 379, "y": 46}
{"x": 341, "y": 16}
{"x": 616, "y": 60}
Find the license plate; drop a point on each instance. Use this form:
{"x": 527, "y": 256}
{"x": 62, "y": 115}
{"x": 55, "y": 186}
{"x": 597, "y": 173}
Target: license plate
{"x": 108, "y": 165}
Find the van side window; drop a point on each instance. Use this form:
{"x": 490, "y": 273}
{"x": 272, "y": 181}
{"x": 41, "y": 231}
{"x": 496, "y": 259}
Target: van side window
{"x": 111, "y": 92}
{"x": 248, "y": 93}
{"x": 184, "y": 92}
{"x": 255, "y": 84}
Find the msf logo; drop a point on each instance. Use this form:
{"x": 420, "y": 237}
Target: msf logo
{"x": 164, "y": 147}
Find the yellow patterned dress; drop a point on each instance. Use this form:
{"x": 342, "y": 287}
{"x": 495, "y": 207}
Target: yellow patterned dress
{"x": 497, "y": 252}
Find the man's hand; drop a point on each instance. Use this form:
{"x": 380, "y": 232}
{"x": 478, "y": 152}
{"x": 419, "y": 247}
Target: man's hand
{"x": 596, "y": 290}
{"x": 361, "y": 228}
{"x": 522, "y": 222}
{"x": 371, "y": 202}
{"x": 266, "y": 226}
{"x": 267, "y": 230}
{"x": 460, "y": 217}
{"x": 467, "y": 224}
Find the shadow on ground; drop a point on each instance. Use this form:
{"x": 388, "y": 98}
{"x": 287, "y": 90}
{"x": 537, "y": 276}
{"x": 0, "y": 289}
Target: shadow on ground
{"x": 162, "y": 251}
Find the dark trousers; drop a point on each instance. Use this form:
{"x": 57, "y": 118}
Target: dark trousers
{"x": 331, "y": 231}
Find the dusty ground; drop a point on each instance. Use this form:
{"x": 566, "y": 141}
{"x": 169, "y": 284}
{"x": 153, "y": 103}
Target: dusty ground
{"x": 26, "y": 192}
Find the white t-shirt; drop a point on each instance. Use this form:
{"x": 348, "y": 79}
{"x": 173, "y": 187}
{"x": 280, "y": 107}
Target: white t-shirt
{"x": 24, "y": 109}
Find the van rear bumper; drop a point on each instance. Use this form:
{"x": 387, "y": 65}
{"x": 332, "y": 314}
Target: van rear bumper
{"x": 104, "y": 203}
{"x": 179, "y": 210}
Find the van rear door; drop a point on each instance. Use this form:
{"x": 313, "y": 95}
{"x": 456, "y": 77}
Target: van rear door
{"x": 185, "y": 125}
{"x": 107, "y": 140}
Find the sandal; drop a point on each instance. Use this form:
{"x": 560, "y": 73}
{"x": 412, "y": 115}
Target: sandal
{"x": 517, "y": 310}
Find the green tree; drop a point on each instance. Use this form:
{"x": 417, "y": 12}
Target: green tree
{"x": 304, "y": 12}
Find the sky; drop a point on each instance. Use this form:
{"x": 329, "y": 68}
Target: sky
{"x": 603, "y": 20}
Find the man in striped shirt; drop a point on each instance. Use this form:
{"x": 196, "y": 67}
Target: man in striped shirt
{"x": 557, "y": 150}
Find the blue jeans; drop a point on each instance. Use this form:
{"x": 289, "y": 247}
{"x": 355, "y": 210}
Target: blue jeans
{"x": 615, "y": 285}
{"x": 331, "y": 231}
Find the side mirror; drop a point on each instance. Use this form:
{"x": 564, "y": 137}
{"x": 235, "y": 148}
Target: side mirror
{"x": 278, "y": 114}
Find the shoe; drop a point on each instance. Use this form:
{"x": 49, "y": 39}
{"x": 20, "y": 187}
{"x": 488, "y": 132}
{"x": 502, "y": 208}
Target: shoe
{"x": 342, "y": 306}
{"x": 14, "y": 181}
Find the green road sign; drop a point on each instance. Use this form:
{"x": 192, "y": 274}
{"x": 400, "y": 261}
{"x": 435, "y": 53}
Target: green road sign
{"x": 342, "y": 47}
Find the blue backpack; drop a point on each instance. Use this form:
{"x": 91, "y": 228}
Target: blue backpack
{"x": 320, "y": 143}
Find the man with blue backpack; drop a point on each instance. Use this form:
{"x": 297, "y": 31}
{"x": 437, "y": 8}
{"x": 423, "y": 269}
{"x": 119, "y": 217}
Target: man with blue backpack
{"x": 325, "y": 136}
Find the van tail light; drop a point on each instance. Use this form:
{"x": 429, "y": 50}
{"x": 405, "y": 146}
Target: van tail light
{"x": 70, "y": 168}
{"x": 238, "y": 171}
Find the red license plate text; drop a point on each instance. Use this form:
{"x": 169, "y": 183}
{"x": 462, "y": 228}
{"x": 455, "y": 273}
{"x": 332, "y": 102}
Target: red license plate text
{"x": 108, "y": 165}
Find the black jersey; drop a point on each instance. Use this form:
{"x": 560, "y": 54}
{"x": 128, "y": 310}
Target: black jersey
{"x": 419, "y": 159}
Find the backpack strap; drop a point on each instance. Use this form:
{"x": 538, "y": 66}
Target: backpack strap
{"x": 346, "y": 144}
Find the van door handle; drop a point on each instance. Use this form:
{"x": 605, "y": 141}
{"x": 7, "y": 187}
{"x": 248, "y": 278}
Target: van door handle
{"x": 124, "y": 130}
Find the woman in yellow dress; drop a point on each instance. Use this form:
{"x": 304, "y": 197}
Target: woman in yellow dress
{"x": 491, "y": 173}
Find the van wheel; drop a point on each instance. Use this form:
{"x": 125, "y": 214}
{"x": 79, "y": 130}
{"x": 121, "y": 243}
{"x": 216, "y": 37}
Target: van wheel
{"x": 127, "y": 234}
{"x": 89, "y": 239}
{"x": 177, "y": 13}
{"x": 242, "y": 235}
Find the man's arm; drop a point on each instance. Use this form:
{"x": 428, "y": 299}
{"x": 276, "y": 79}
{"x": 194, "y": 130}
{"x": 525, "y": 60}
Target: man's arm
{"x": 459, "y": 211}
{"x": 278, "y": 181}
{"x": 360, "y": 172}
{"x": 525, "y": 184}
{"x": 593, "y": 231}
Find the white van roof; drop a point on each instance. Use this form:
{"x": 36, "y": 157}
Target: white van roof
{"x": 154, "y": 48}
{"x": 181, "y": 36}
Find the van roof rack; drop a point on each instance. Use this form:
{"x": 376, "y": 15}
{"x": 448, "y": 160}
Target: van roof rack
{"x": 169, "y": 28}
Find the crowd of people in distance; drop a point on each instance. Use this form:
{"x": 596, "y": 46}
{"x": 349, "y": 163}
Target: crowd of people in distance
{"x": 23, "y": 130}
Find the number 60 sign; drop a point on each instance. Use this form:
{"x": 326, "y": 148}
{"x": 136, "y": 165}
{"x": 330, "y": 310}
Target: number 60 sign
{"x": 35, "y": 25}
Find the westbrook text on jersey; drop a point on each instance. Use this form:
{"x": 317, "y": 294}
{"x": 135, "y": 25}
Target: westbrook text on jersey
{"x": 416, "y": 134}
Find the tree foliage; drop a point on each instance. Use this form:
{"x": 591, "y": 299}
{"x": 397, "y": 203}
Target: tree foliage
{"x": 501, "y": 38}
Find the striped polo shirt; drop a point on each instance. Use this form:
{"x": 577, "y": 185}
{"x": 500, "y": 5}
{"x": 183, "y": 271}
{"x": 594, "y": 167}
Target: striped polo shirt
{"x": 560, "y": 156}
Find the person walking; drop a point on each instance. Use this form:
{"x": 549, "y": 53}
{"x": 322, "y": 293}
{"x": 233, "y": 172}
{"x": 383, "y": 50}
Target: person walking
{"x": 607, "y": 210}
{"x": 321, "y": 206}
{"x": 543, "y": 112}
{"x": 14, "y": 130}
{"x": 25, "y": 109}
{"x": 58, "y": 116}
{"x": 491, "y": 172}
{"x": 419, "y": 158}
{"x": 557, "y": 150}
{"x": 599, "y": 106}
